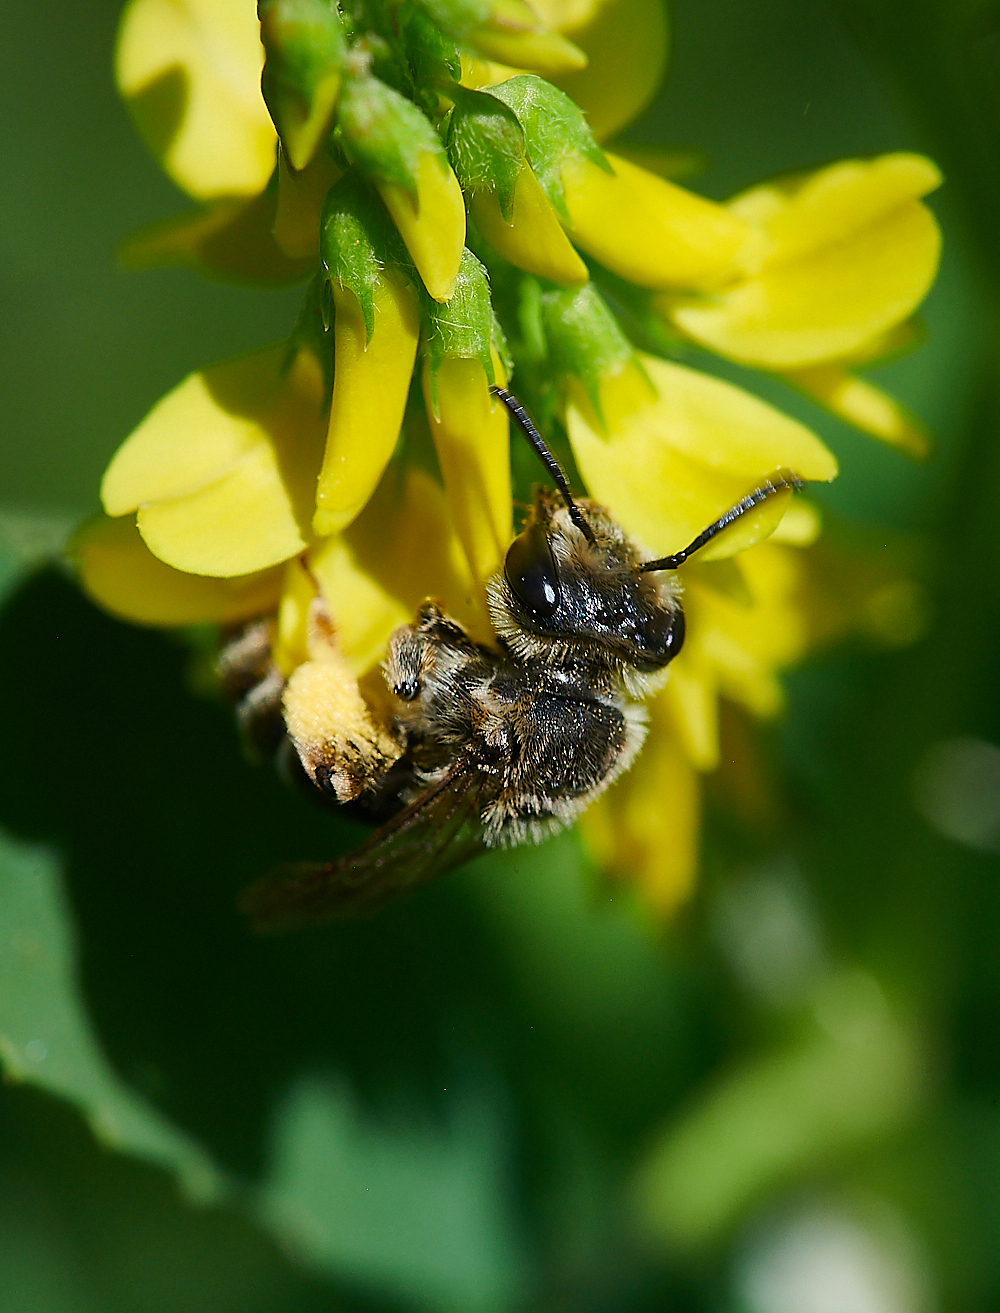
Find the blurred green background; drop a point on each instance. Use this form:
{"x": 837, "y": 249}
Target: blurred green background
{"x": 505, "y": 1093}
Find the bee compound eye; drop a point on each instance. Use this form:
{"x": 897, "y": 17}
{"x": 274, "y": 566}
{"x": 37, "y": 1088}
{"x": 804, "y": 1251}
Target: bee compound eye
{"x": 530, "y": 571}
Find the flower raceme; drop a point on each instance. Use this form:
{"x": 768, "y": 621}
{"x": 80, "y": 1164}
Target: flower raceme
{"x": 462, "y": 227}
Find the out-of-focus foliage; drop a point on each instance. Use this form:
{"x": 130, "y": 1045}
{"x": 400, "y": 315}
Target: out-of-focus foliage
{"x": 507, "y": 1093}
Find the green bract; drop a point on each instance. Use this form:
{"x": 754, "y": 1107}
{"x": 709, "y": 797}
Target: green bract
{"x": 486, "y": 146}
{"x": 385, "y": 134}
{"x": 583, "y": 337}
{"x": 305, "y": 45}
{"x": 554, "y": 131}
{"x": 357, "y": 240}
{"x": 462, "y": 327}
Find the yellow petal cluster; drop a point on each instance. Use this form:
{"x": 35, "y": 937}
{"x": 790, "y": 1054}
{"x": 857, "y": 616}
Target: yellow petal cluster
{"x": 366, "y": 464}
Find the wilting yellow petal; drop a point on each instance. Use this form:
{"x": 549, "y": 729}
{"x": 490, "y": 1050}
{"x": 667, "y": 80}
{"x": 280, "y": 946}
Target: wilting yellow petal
{"x": 673, "y": 463}
{"x": 189, "y": 71}
{"x": 533, "y": 239}
{"x": 400, "y": 550}
{"x": 370, "y": 386}
{"x": 651, "y": 231}
{"x": 644, "y": 831}
{"x": 825, "y": 305}
{"x": 625, "y": 42}
{"x": 865, "y": 406}
{"x": 223, "y": 469}
{"x": 120, "y": 573}
{"x": 228, "y": 239}
{"x": 300, "y": 203}
{"x": 433, "y": 228}
{"x": 471, "y": 436}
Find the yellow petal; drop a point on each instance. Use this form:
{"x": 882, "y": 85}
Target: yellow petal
{"x": 477, "y": 73}
{"x": 691, "y": 700}
{"x": 471, "y": 436}
{"x": 223, "y": 469}
{"x": 203, "y": 428}
{"x": 746, "y": 646}
{"x": 825, "y": 305}
{"x": 837, "y": 203}
{"x": 651, "y": 231}
{"x": 434, "y": 228}
{"x": 644, "y": 830}
{"x": 119, "y": 572}
{"x": 800, "y": 525}
{"x": 673, "y": 463}
{"x": 228, "y": 239}
{"x": 533, "y": 239}
{"x": 865, "y": 406}
{"x": 625, "y": 42}
{"x": 291, "y": 641}
{"x": 370, "y": 387}
{"x": 300, "y": 203}
{"x": 189, "y": 71}
{"x": 401, "y": 549}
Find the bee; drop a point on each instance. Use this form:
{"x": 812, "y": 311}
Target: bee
{"x": 493, "y": 746}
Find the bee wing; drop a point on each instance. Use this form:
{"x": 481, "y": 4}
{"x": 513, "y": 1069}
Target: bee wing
{"x": 440, "y": 829}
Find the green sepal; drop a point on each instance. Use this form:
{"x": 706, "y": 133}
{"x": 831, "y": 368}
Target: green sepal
{"x": 357, "y": 239}
{"x": 305, "y": 47}
{"x": 584, "y": 339}
{"x": 486, "y": 146}
{"x": 457, "y": 17}
{"x": 554, "y": 130}
{"x": 432, "y": 56}
{"x": 464, "y": 326}
{"x": 383, "y": 133}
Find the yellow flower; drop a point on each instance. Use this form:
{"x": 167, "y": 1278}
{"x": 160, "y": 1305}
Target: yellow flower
{"x": 844, "y": 256}
{"x": 365, "y": 462}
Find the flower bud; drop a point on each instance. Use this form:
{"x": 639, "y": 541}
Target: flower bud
{"x": 486, "y": 146}
{"x": 305, "y": 45}
{"x": 469, "y": 427}
{"x": 394, "y": 144}
{"x": 376, "y": 331}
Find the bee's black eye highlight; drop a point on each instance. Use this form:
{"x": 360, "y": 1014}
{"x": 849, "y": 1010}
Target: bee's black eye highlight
{"x": 530, "y": 570}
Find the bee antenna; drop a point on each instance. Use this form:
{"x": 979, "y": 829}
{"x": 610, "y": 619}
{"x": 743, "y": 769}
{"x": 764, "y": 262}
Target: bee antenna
{"x": 546, "y": 457}
{"x": 781, "y": 481}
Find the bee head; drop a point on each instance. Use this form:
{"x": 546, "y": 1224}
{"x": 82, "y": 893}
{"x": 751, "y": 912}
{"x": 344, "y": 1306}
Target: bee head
{"x": 566, "y": 592}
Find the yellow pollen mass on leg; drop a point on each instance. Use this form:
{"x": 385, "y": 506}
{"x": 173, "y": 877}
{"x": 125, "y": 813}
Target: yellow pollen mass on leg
{"x": 370, "y": 386}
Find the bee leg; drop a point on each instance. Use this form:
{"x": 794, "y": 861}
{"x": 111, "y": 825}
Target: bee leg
{"x": 249, "y": 676}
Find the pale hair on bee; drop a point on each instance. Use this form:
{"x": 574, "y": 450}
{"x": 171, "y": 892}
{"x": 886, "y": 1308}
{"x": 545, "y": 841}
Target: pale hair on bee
{"x": 478, "y": 746}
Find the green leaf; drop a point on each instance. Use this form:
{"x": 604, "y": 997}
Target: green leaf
{"x": 27, "y": 540}
{"x": 414, "y": 1208}
{"x": 851, "y": 1080}
{"x": 46, "y": 1038}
